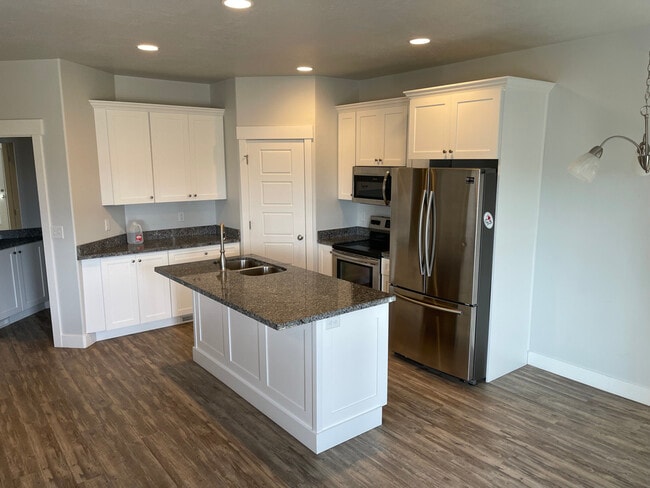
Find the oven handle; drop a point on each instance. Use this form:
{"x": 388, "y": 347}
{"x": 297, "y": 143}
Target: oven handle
{"x": 428, "y": 305}
{"x": 356, "y": 258}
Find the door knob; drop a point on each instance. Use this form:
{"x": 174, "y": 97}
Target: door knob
{"x": 300, "y": 237}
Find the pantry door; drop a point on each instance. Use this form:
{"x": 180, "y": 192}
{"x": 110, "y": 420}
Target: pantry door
{"x": 276, "y": 185}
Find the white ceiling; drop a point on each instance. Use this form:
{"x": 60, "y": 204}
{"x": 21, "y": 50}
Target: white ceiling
{"x": 201, "y": 40}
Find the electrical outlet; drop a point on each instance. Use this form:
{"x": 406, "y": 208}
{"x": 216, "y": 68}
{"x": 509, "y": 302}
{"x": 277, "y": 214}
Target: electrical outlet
{"x": 107, "y": 225}
{"x": 181, "y": 217}
{"x": 57, "y": 232}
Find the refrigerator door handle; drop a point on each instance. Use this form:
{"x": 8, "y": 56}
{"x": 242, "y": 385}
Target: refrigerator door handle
{"x": 422, "y": 205}
{"x": 428, "y": 305}
{"x": 428, "y": 246}
{"x": 434, "y": 224}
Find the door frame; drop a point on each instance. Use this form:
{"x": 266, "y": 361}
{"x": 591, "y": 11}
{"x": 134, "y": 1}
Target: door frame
{"x": 34, "y": 128}
{"x": 298, "y": 133}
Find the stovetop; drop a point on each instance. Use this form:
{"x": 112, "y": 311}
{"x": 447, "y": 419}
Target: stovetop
{"x": 377, "y": 243}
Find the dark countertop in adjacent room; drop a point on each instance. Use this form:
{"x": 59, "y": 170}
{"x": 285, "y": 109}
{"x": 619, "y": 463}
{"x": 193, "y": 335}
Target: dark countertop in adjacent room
{"x": 280, "y": 300}
{"x": 159, "y": 240}
{"x": 18, "y": 237}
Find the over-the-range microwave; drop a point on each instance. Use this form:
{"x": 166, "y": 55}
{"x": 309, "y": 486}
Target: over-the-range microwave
{"x": 371, "y": 184}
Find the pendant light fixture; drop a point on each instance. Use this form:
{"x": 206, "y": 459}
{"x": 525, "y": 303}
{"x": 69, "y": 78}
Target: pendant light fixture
{"x": 585, "y": 167}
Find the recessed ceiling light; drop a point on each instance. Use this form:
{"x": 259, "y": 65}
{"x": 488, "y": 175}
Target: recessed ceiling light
{"x": 419, "y": 41}
{"x": 238, "y": 4}
{"x": 304, "y": 69}
{"x": 147, "y": 47}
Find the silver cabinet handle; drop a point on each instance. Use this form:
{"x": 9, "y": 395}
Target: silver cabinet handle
{"x": 300, "y": 237}
{"x": 383, "y": 187}
{"x": 428, "y": 305}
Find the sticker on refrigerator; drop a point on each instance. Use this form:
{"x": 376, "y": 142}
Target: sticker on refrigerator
{"x": 488, "y": 220}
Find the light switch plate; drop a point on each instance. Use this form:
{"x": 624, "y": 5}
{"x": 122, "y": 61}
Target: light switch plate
{"x": 57, "y": 232}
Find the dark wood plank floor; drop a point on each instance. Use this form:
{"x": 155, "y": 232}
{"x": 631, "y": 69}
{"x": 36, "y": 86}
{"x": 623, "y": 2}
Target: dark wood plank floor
{"x": 136, "y": 411}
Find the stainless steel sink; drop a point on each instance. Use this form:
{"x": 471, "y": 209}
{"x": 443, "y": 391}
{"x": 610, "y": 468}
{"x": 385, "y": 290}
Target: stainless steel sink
{"x": 262, "y": 270}
{"x": 235, "y": 264}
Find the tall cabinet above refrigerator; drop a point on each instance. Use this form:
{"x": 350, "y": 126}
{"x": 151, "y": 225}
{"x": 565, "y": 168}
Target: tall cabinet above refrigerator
{"x": 441, "y": 266}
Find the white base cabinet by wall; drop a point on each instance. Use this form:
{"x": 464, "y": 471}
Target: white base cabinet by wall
{"x": 159, "y": 153}
{"x": 325, "y": 259}
{"x": 23, "y": 287}
{"x": 323, "y": 382}
{"x": 182, "y": 295}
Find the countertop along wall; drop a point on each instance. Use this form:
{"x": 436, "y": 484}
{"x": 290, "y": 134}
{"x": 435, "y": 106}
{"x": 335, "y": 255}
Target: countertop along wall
{"x": 589, "y": 319}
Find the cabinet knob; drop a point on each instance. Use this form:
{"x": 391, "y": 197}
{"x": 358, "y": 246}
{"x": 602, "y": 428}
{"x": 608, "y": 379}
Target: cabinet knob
{"x": 139, "y": 260}
{"x": 132, "y": 261}
{"x": 189, "y": 195}
{"x": 300, "y": 237}
{"x": 444, "y": 151}
{"x": 195, "y": 195}
{"x": 451, "y": 151}
{"x": 151, "y": 197}
{"x": 14, "y": 252}
{"x": 205, "y": 253}
{"x": 20, "y": 252}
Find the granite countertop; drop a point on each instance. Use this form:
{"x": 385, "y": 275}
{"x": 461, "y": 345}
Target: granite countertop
{"x": 18, "y": 237}
{"x": 346, "y": 234}
{"x": 160, "y": 240}
{"x": 280, "y": 300}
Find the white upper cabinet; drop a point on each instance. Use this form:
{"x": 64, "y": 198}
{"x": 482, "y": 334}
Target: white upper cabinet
{"x": 454, "y": 121}
{"x": 346, "y": 152}
{"x": 381, "y": 135}
{"x": 159, "y": 153}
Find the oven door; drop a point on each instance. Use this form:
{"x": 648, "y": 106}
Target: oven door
{"x": 358, "y": 269}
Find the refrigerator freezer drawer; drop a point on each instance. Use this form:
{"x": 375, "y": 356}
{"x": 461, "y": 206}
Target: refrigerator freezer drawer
{"x": 435, "y": 333}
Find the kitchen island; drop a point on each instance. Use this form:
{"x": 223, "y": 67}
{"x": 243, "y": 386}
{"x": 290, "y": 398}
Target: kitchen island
{"x": 307, "y": 350}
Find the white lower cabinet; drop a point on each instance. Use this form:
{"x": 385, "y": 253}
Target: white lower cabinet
{"x": 181, "y": 295}
{"x": 325, "y": 259}
{"x": 133, "y": 292}
{"x": 323, "y": 382}
{"x": 23, "y": 287}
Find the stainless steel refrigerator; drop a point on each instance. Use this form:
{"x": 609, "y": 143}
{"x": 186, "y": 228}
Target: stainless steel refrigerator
{"x": 441, "y": 265}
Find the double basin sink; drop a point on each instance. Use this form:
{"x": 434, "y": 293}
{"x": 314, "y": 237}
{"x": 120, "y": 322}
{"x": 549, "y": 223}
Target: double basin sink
{"x": 251, "y": 266}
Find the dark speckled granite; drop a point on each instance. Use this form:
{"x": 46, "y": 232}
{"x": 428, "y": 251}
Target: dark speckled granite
{"x": 18, "y": 237}
{"x": 157, "y": 240}
{"x": 293, "y": 297}
{"x": 347, "y": 234}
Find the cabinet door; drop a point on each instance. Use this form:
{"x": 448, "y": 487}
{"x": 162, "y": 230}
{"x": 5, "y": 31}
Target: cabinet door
{"x": 207, "y": 162}
{"x": 34, "y": 288}
{"x": 130, "y": 156}
{"x": 429, "y": 119}
{"x": 346, "y": 153}
{"x": 369, "y": 134}
{"x": 325, "y": 259}
{"x": 475, "y": 123}
{"x": 9, "y": 283}
{"x": 120, "y": 284}
{"x": 210, "y": 325}
{"x": 393, "y": 137}
{"x": 153, "y": 288}
{"x": 181, "y": 296}
{"x": 170, "y": 149}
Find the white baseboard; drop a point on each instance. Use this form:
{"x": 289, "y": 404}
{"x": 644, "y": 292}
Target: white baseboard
{"x": 630, "y": 391}
{"x": 136, "y": 329}
{"x": 77, "y": 341}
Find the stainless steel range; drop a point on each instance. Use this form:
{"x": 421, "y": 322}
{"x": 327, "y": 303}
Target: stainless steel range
{"x": 360, "y": 261}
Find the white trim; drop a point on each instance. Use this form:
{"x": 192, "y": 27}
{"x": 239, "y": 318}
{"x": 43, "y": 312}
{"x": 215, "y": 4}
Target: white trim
{"x": 505, "y": 81}
{"x": 278, "y": 132}
{"x": 77, "y": 341}
{"x": 148, "y": 107}
{"x": 136, "y": 329}
{"x": 34, "y": 128}
{"x": 624, "y": 389}
{"x": 387, "y": 102}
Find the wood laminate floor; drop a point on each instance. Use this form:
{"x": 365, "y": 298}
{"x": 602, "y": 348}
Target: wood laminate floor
{"x": 136, "y": 411}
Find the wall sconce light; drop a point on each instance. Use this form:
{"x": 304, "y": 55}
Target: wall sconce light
{"x": 585, "y": 167}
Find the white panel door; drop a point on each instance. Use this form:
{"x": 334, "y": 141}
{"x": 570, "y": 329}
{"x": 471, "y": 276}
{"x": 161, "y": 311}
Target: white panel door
{"x": 346, "y": 153}
{"x": 207, "y": 157}
{"x": 429, "y": 119}
{"x": 210, "y": 328}
{"x": 369, "y": 137}
{"x": 32, "y": 269}
{"x": 394, "y": 136}
{"x": 120, "y": 284}
{"x": 277, "y": 200}
{"x": 170, "y": 149}
{"x": 182, "y": 295}
{"x": 9, "y": 283}
{"x": 475, "y": 124}
{"x": 244, "y": 347}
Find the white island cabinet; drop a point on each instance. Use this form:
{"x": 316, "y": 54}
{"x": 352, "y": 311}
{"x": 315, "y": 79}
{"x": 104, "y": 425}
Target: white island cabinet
{"x": 324, "y": 382}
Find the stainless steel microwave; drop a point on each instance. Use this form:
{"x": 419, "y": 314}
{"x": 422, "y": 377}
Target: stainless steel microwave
{"x": 371, "y": 184}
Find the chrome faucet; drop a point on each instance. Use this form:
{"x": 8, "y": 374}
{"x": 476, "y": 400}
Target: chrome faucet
{"x": 222, "y": 259}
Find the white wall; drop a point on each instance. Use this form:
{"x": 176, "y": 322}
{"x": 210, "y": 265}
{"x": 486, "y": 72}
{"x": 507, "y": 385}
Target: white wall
{"x": 589, "y": 314}
{"x": 78, "y": 85}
